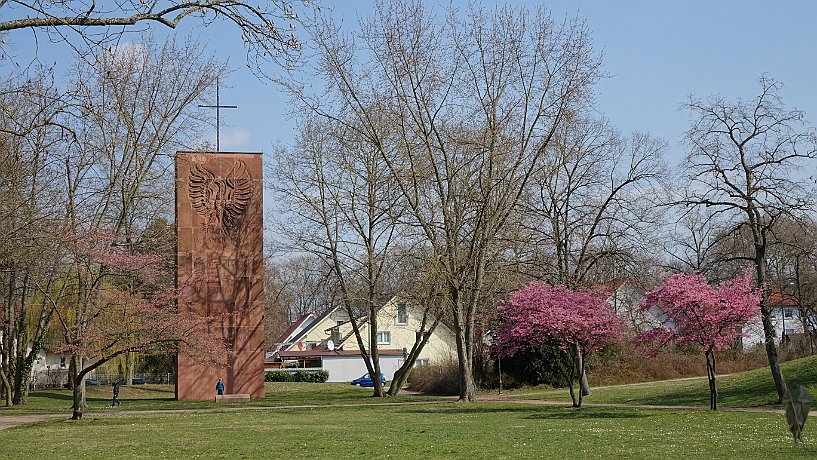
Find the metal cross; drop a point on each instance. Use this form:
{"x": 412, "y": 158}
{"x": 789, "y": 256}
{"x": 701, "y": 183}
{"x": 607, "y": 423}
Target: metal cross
{"x": 218, "y": 108}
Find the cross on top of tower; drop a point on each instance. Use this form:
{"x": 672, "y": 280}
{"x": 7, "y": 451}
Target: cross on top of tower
{"x": 218, "y": 108}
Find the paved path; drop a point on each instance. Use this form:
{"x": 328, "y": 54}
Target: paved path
{"x": 9, "y": 421}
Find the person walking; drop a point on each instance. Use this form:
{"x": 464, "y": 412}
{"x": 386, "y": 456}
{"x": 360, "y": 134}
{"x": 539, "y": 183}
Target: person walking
{"x": 116, "y": 384}
{"x": 220, "y": 387}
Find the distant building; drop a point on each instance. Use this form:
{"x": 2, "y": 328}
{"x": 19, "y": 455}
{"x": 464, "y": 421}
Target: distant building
{"x": 327, "y": 341}
{"x": 787, "y": 319}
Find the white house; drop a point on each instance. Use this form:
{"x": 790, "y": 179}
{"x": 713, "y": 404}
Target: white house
{"x": 786, "y": 319}
{"x": 327, "y": 341}
{"x": 625, "y": 298}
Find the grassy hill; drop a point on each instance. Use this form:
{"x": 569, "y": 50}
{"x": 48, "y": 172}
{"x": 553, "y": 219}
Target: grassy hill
{"x": 747, "y": 389}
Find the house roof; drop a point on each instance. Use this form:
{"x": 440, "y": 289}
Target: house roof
{"x": 614, "y": 284}
{"x": 316, "y": 321}
{"x": 317, "y": 352}
{"x": 283, "y": 337}
{"x": 781, "y": 299}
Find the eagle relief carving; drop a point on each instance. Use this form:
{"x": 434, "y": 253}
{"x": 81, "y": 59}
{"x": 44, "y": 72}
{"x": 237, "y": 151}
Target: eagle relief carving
{"x": 222, "y": 201}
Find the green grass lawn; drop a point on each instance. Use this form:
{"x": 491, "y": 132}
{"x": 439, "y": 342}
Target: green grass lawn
{"x": 159, "y": 397}
{"x": 747, "y": 389}
{"x": 448, "y": 430}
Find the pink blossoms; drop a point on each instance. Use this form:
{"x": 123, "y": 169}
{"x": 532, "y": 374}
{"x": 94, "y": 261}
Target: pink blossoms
{"x": 575, "y": 321}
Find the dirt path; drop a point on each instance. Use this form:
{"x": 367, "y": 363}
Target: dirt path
{"x": 9, "y": 421}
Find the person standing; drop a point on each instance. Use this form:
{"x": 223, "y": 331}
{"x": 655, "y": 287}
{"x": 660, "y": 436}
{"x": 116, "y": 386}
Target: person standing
{"x": 220, "y": 387}
{"x": 116, "y": 384}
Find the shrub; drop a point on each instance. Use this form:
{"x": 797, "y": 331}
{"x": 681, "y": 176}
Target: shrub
{"x": 298, "y": 376}
{"x": 438, "y": 379}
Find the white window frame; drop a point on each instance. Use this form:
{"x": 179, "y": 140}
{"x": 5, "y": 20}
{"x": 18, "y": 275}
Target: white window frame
{"x": 383, "y": 337}
{"x": 421, "y": 362}
{"x": 405, "y": 310}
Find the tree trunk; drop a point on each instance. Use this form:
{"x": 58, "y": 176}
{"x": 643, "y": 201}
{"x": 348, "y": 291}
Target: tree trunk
{"x": 583, "y": 384}
{"x": 420, "y": 341}
{"x": 6, "y": 387}
{"x": 464, "y": 365}
{"x": 768, "y": 327}
{"x": 575, "y": 398}
{"x": 78, "y": 387}
{"x": 131, "y": 365}
{"x": 710, "y": 372}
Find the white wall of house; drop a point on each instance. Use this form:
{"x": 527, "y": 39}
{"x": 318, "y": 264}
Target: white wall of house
{"x": 399, "y": 333}
{"x": 348, "y": 368}
{"x": 783, "y": 319}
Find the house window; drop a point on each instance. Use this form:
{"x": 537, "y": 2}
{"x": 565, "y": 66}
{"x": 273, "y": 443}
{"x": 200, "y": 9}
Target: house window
{"x": 62, "y": 362}
{"x": 421, "y": 362}
{"x": 788, "y": 313}
{"x": 402, "y": 315}
{"x": 383, "y": 337}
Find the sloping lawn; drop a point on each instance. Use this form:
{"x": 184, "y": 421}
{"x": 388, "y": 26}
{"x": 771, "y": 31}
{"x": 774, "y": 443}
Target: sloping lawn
{"x": 449, "y": 430}
{"x": 747, "y": 389}
{"x": 159, "y": 397}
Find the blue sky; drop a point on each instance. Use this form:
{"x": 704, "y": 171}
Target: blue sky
{"x": 656, "y": 53}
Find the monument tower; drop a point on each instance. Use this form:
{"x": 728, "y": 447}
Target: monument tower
{"x": 220, "y": 266}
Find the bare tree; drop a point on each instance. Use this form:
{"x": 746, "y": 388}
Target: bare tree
{"x": 136, "y": 106}
{"x": 474, "y": 102}
{"x": 267, "y": 28}
{"x": 593, "y": 200}
{"x": 31, "y": 212}
{"x": 744, "y": 161}
{"x": 344, "y": 208}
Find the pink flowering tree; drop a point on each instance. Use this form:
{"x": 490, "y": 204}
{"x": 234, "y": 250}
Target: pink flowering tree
{"x": 113, "y": 302}
{"x": 696, "y": 313}
{"x": 577, "y": 322}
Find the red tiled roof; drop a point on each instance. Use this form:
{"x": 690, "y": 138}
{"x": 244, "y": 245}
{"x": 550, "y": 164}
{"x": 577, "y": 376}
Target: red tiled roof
{"x": 782, "y": 299}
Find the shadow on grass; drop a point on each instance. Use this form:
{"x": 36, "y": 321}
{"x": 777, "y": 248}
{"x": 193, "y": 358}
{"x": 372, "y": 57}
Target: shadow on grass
{"x": 585, "y": 414}
{"x": 538, "y": 412}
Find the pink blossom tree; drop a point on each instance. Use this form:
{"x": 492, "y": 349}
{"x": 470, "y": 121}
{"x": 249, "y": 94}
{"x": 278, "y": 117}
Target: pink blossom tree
{"x": 696, "y": 313}
{"x": 577, "y": 322}
{"x": 113, "y": 302}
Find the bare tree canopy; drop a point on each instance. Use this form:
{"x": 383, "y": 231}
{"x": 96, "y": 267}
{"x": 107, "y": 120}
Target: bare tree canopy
{"x": 746, "y": 161}
{"x": 268, "y": 28}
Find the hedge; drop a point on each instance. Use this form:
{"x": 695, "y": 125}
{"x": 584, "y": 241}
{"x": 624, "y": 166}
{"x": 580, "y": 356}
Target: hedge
{"x": 298, "y": 376}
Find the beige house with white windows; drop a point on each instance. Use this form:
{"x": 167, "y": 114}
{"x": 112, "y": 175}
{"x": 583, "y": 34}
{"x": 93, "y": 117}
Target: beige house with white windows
{"x": 327, "y": 341}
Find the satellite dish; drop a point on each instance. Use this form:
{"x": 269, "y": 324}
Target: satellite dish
{"x": 330, "y": 345}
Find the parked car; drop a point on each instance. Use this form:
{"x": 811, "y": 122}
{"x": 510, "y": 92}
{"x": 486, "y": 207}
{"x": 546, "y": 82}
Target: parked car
{"x": 91, "y": 382}
{"x": 366, "y": 381}
{"x": 138, "y": 382}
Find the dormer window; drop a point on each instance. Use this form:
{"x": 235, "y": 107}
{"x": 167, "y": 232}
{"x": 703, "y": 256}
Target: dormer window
{"x": 402, "y": 314}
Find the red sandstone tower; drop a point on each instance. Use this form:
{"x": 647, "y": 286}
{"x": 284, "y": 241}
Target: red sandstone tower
{"x": 219, "y": 260}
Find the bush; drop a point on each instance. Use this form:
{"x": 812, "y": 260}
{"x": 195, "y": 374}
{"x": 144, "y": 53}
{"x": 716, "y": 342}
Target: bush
{"x": 626, "y": 363}
{"x": 540, "y": 365}
{"x": 438, "y": 379}
{"x": 298, "y": 376}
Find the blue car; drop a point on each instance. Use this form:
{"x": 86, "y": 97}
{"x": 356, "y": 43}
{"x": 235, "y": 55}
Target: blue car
{"x": 366, "y": 381}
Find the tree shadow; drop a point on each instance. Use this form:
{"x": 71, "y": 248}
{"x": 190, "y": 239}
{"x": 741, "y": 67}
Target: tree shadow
{"x": 588, "y": 414}
{"x": 534, "y": 412}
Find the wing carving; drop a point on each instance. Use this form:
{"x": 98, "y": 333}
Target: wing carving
{"x": 200, "y": 190}
{"x": 221, "y": 201}
{"x": 238, "y": 194}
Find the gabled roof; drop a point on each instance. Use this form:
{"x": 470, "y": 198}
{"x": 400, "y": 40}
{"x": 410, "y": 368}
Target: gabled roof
{"x": 315, "y": 353}
{"x": 779, "y": 298}
{"x": 283, "y": 338}
{"x": 316, "y": 321}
